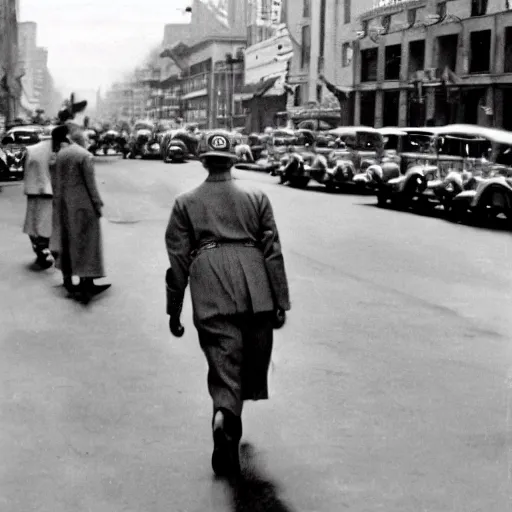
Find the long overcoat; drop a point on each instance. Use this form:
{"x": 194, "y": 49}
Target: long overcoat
{"x": 77, "y": 205}
{"x": 230, "y": 279}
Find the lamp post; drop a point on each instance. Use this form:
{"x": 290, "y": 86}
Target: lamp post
{"x": 231, "y": 61}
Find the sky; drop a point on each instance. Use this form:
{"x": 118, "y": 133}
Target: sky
{"x": 92, "y": 43}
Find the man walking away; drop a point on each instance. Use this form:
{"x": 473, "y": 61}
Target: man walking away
{"x": 223, "y": 236}
{"x": 79, "y": 207}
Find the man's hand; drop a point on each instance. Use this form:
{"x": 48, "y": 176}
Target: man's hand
{"x": 177, "y": 330}
{"x": 279, "y": 318}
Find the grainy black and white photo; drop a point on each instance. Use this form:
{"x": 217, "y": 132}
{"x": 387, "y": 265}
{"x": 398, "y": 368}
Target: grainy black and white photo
{"x": 255, "y": 255}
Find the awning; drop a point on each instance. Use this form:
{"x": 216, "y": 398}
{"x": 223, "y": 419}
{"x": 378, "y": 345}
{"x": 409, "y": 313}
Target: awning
{"x": 259, "y": 89}
{"x": 195, "y": 94}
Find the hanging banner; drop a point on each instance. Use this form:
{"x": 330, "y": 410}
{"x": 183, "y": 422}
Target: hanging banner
{"x": 219, "y": 8}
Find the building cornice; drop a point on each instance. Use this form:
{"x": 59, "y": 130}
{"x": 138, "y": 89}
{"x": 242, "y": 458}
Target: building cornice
{"x": 191, "y": 47}
{"x": 391, "y": 9}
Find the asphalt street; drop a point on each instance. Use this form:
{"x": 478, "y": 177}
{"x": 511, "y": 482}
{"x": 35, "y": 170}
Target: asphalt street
{"x": 391, "y": 383}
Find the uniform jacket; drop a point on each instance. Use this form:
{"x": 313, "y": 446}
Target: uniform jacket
{"x": 230, "y": 279}
{"x": 37, "y": 179}
{"x": 77, "y": 205}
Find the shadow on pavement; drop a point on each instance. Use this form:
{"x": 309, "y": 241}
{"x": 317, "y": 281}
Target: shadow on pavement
{"x": 500, "y": 225}
{"x": 253, "y": 491}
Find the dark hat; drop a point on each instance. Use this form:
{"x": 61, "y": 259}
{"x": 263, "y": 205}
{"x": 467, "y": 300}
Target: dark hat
{"x": 59, "y": 136}
{"x": 218, "y": 144}
{"x": 71, "y": 107}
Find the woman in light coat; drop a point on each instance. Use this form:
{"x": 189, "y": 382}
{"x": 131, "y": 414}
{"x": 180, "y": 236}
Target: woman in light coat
{"x": 39, "y": 192}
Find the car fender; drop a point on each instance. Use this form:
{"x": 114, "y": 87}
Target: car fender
{"x": 499, "y": 184}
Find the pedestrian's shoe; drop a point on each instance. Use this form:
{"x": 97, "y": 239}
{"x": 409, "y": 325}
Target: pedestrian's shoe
{"x": 225, "y": 457}
{"x": 45, "y": 259}
{"x": 86, "y": 291}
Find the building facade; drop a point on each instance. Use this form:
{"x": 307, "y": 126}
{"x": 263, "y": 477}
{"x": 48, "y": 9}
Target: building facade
{"x": 267, "y": 62}
{"x": 204, "y": 82}
{"x": 435, "y": 62}
{"x": 37, "y": 84}
{"x": 323, "y": 33}
{"x": 10, "y": 90}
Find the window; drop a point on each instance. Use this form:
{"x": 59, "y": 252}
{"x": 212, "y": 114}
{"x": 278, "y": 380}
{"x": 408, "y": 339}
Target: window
{"x": 296, "y": 96}
{"x": 369, "y": 60}
{"x": 447, "y": 51}
{"x": 416, "y": 56}
{"x": 346, "y": 54}
{"x": 480, "y": 52}
{"x": 346, "y": 11}
{"x": 508, "y": 50}
{"x": 478, "y": 7}
{"x": 306, "y": 8}
{"x": 306, "y": 46}
{"x": 393, "y": 56}
{"x": 319, "y": 93}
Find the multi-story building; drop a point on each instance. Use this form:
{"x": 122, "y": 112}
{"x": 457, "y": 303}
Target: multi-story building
{"x": 434, "y": 62}
{"x": 208, "y": 73}
{"x": 267, "y": 60}
{"x": 27, "y": 35}
{"x": 36, "y": 80}
{"x": 126, "y": 100}
{"x": 10, "y": 90}
{"x": 322, "y": 33}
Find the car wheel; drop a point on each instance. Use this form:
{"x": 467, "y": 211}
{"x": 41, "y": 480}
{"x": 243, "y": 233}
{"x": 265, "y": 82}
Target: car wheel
{"x": 299, "y": 182}
{"x": 331, "y": 187}
{"x": 382, "y": 200}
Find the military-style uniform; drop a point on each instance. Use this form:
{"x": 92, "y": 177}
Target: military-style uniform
{"x": 223, "y": 238}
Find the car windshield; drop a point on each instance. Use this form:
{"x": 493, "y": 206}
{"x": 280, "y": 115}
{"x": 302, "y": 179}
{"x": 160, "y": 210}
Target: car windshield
{"x": 465, "y": 147}
{"x": 368, "y": 141}
{"x": 391, "y": 141}
{"x": 504, "y": 155}
{"x": 24, "y": 136}
{"x": 417, "y": 143}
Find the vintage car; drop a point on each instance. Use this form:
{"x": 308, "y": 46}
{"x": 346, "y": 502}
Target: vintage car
{"x": 457, "y": 153}
{"x": 259, "y": 145}
{"x": 354, "y": 149}
{"x": 110, "y": 141}
{"x": 297, "y": 161}
{"x": 92, "y": 140}
{"x": 14, "y": 149}
{"x": 179, "y": 146}
{"x": 143, "y": 141}
{"x": 487, "y": 194}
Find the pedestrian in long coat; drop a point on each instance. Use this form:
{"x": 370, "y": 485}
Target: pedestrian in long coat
{"x": 39, "y": 192}
{"x": 223, "y": 237}
{"x": 79, "y": 207}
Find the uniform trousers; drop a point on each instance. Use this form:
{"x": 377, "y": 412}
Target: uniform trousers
{"x": 238, "y": 349}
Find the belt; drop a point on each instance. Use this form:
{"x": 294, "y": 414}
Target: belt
{"x": 213, "y": 244}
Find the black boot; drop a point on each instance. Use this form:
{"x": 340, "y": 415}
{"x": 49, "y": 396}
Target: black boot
{"x": 87, "y": 290}
{"x": 227, "y": 432}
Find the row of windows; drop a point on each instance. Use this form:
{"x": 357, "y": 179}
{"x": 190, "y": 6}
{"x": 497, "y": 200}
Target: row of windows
{"x": 447, "y": 49}
{"x": 306, "y": 10}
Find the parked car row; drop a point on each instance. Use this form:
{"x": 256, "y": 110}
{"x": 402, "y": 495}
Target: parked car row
{"x": 464, "y": 170}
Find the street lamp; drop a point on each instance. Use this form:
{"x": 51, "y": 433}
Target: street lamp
{"x": 231, "y": 61}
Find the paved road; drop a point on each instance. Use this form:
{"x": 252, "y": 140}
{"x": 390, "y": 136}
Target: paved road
{"x": 389, "y": 383}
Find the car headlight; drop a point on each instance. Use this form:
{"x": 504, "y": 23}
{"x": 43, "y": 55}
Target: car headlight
{"x": 449, "y": 187}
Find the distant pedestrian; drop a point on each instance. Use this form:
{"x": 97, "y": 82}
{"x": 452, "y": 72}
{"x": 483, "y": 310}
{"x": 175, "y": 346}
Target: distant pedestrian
{"x": 223, "y": 236}
{"x": 79, "y": 211}
{"x": 242, "y": 150}
{"x": 39, "y": 192}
